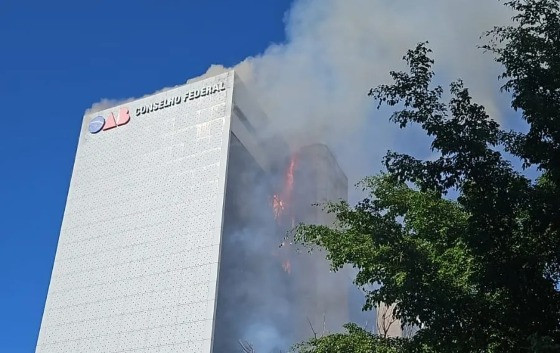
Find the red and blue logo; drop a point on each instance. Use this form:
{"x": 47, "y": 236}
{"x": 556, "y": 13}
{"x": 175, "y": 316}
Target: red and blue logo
{"x": 111, "y": 121}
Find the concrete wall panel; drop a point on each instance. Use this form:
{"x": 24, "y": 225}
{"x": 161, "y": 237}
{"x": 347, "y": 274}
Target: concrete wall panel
{"x": 136, "y": 265}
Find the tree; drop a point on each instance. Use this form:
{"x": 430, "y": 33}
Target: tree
{"x": 479, "y": 271}
{"x": 357, "y": 340}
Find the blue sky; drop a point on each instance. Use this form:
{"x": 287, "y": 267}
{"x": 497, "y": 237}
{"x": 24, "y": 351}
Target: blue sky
{"x": 59, "y": 57}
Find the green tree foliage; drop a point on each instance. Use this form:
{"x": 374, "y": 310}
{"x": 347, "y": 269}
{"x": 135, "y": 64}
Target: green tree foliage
{"x": 356, "y": 340}
{"x": 479, "y": 272}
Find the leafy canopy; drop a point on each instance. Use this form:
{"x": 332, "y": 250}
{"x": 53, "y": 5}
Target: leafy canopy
{"x": 479, "y": 272}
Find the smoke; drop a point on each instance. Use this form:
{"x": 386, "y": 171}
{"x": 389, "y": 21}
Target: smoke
{"x": 260, "y": 299}
{"x": 313, "y": 86}
{"x": 106, "y": 103}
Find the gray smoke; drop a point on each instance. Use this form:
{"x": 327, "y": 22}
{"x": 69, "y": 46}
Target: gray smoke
{"x": 106, "y": 103}
{"x": 313, "y": 86}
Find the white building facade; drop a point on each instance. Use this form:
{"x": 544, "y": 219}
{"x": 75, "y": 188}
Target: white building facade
{"x": 138, "y": 260}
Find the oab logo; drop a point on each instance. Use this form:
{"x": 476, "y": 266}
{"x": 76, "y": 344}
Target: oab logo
{"x": 100, "y": 123}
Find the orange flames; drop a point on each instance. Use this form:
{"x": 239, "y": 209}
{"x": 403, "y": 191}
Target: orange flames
{"x": 287, "y": 266}
{"x": 282, "y": 200}
{"x": 277, "y": 206}
{"x": 282, "y": 210}
{"x": 289, "y": 182}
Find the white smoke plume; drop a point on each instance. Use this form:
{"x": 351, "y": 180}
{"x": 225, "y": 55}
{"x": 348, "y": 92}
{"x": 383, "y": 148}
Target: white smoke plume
{"x": 106, "y": 103}
{"x": 314, "y": 85}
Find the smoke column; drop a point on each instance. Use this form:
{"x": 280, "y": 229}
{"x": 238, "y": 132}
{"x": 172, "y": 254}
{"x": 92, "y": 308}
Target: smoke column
{"x": 313, "y": 88}
{"x": 313, "y": 85}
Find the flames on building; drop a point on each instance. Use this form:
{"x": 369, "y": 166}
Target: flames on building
{"x": 277, "y": 206}
{"x": 273, "y": 293}
{"x": 283, "y": 211}
{"x": 282, "y": 200}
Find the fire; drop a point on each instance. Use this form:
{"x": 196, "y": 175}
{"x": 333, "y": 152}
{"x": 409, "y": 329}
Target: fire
{"x": 277, "y": 206}
{"x": 289, "y": 185}
{"x": 283, "y": 210}
{"x": 287, "y": 266}
{"x": 281, "y": 201}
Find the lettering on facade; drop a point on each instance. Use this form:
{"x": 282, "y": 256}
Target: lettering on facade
{"x": 189, "y": 96}
{"x": 100, "y": 123}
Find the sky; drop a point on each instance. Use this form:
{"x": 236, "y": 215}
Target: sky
{"x": 309, "y": 62}
{"x": 59, "y": 57}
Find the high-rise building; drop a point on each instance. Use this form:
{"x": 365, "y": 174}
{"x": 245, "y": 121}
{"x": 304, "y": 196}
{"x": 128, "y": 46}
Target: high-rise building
{"x": 171, "y": 235}
{"x": 388, "y": 325}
